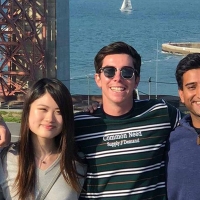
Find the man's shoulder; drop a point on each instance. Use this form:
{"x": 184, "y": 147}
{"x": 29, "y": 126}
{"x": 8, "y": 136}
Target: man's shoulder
{"x": 150, "y": 102}
{"x": 87, "y": 115}
{"x": 186, "y": 120}
{"x": 157, "y": 105}
{"x": 183, "y": 130}
{"x": 81, "y": 113}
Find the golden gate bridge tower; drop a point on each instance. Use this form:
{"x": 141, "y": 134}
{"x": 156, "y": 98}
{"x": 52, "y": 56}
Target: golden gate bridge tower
{"x": 34, "y": 43}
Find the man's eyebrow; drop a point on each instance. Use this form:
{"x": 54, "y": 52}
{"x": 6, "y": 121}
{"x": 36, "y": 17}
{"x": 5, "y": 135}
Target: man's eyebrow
{"x": 191, "y": 83}
{"x": 115, "y": 67}
{"x": 108, "y": 66}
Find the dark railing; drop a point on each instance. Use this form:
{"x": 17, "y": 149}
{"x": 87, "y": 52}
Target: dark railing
{"x": 84, "y": 92}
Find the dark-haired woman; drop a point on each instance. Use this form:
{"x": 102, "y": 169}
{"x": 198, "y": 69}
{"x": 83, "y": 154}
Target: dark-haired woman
{"x": 44, "y": 163}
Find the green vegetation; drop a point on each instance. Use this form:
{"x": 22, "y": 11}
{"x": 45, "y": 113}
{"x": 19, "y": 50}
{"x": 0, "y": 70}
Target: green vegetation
{"x": 10, "y": 116}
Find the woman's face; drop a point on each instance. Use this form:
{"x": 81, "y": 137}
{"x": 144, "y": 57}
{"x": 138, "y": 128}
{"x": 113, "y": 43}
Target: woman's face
{"x": 45, "y": 119}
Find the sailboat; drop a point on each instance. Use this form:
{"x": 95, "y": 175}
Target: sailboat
{"x": 126, "y": 6}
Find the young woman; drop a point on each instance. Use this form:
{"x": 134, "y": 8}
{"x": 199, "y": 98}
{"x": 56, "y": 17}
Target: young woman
{"x": 44, "y": 163}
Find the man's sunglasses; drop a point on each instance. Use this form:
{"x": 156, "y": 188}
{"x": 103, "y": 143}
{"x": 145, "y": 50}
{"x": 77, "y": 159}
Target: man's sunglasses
{"x": 126, "y": 72}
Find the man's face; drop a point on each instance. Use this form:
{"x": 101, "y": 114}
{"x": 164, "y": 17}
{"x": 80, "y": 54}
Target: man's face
{"x": 190, "y": 95}
{"x": 116, "y": 89}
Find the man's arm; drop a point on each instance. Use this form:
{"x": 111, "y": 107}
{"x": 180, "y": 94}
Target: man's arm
{"x": 5, "y": 135}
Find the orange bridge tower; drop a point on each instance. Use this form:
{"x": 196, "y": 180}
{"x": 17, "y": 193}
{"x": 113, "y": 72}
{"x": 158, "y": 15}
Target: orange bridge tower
{"x": 34, "y": 43}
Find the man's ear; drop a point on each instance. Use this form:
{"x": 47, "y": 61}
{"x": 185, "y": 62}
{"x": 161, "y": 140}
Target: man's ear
{"x": 180, "y": 92}
{"x": 97, "y": 79}
{"x": 137, "y": 80}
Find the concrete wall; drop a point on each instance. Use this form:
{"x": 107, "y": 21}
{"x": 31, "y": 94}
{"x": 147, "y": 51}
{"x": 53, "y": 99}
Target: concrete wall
{"x": 181, "y": 48}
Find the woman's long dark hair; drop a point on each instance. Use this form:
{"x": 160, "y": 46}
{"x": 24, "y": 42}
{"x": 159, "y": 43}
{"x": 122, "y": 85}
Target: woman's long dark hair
{"x": 26, "y": 178}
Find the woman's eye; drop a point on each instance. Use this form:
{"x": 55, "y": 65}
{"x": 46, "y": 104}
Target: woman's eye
{"x": 43, "y": 109}
{"x": 58, "y": 112}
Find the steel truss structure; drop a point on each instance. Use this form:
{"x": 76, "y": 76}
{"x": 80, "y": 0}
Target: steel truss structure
{"x": 22, "y": 44}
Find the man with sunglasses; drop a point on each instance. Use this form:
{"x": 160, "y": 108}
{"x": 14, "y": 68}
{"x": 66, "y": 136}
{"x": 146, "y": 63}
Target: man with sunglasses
{"x": 124, "y": 139}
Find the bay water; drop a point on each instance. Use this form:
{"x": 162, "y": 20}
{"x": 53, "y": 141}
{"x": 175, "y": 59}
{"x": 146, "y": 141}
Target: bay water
{"x": 96, "y": 23}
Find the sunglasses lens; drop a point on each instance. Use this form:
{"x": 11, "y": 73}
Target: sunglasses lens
{"x": 127, "y": 72}
{"x": 109, "y": 72}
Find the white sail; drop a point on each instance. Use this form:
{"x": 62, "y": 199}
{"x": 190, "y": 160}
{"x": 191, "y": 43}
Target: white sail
{"x": 126, "y": 5}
